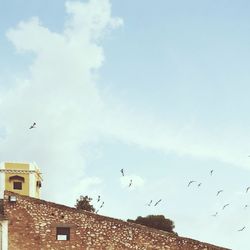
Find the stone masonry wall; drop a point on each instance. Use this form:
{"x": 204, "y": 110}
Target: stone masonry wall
{"x": 33, "y": 222}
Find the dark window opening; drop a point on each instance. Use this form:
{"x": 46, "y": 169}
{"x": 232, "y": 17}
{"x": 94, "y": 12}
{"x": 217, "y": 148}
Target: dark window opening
{"x": 63, "y": 233}
{"x": 38, "y": 184}
{"x": 17, "y": 185}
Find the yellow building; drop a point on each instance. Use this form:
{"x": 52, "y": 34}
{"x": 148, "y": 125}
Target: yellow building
{"x": 21, "y": 178}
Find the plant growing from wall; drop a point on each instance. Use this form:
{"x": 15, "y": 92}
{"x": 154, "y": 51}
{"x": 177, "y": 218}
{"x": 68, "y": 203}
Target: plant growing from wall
{"x": 83, "y": 203}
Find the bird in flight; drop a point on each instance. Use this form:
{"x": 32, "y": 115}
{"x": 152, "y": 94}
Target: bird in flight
{"x": 157, "y": 202}
{"x": 246, "y": 206}
{"x": 247, "y": 189}
{"x": 102, "y": 204}
{"x": 241, "y": 229}
{"x": 211, "y": 172}
{"x": 122, "y": 171}
{"x": 130, "y": 183}
{"x": 149, "y": 204}
{"x": 99, "y": 198}
{"x": 225, "y": 206}
{"x": 220, "y": 191}
{"x": 190, "y": 183}
{"x": 199, "y": 184}
{"x": 33, "y": 125}
{"x": 215, "y": 214}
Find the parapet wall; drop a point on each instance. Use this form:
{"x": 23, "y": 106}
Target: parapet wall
{"x": 33, "y": 223}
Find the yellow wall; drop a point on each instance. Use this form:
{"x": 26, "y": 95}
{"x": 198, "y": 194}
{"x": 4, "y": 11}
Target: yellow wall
{"x": 25, "y": 184}
{"x": 16, "y": 166}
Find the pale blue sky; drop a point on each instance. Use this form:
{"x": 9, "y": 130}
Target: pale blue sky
{"x": 169, "y": 103}
{"x": 190, "y": 57}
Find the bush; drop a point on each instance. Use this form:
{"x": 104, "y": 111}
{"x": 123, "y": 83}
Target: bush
{"x": 155, "y": 221}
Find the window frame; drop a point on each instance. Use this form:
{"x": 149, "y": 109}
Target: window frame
{"x": 63, "y": 231}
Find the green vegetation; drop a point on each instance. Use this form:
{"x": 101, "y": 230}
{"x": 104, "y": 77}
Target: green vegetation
{"x": 155, "y": 221}
{"x": 84, "y": 204}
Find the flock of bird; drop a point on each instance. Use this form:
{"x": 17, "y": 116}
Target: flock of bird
{"x": 129, "y": 185}
{"x": 191, "y": 182}
{"x": 130, "y": 182}
{"x": 98, "y": 200}
{"x": 217, "y": 194}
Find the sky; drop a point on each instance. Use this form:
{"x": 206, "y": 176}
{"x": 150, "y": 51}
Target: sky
{"x": 157, "y": 88}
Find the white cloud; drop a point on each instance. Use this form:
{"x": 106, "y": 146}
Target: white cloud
{"x": 228, "y": 145}
{"x": 85, "y": 184}
{"x": 60, "y": 96}
{"x": 96, "y": 19}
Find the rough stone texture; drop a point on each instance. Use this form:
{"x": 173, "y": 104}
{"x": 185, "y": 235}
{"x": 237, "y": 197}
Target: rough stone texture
{"x": 33, "y": 222}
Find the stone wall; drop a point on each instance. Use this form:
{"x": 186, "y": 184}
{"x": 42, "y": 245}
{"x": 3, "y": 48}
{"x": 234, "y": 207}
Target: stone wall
{"x": 33, "y": 223}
